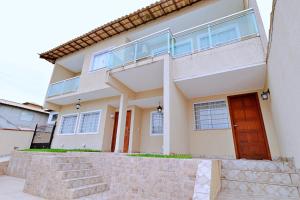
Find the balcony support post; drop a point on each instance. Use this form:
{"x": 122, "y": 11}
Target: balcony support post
{"x": 135, "y": 51}
{"x": 121, "y": 123}
{"x": 169, "y": 42}
{"x": 167, "y": 81}
{"x": 209, "y": 37}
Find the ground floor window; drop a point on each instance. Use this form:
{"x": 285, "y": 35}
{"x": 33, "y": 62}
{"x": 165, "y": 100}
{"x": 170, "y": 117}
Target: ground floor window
{"x": 68, "y": 124}
{"x": 89, "y": 122}
{"x": 156, "y": 123}
{"x": 211, "y": 115}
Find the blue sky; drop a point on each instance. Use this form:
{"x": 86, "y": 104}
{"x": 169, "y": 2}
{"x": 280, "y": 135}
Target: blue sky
{"x": 33, "y": 26}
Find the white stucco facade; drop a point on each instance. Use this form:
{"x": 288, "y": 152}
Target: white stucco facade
{"x": 177, "y": 83}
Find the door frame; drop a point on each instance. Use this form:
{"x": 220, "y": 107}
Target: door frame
{"x": 234, "y": 133}
{"x": 115, "y": 127}
{"x": 129, "y": 119}
{"x": 114, "y": 133}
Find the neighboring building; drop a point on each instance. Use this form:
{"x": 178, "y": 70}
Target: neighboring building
{"x": 23, "y": 116}
{"x": 17, "y": 125}
{"x": 203, "y": 61}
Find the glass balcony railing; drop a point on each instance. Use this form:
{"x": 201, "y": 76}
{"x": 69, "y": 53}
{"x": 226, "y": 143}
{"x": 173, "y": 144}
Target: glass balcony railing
{"x": 150, "y": 46}
{"x": 220, "y": 32}
{"x": 63, "y": 87}
{"x": 210, "y": 35}
{"x": 216, "y": 33}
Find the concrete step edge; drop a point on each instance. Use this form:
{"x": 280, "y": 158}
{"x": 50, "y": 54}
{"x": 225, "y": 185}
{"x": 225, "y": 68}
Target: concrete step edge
{"x": 251, "y": 196}
{"x": 265, "y": 183}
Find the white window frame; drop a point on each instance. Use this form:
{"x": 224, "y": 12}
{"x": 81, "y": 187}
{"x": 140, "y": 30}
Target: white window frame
{"x": 96, "y": 54}
{"x": 211, "y": 129}
{"x": 79, "y": 122}
{"x": 61, "y": 120}
{"x": 50, "y": 120}
{"x": 156, "y": 134}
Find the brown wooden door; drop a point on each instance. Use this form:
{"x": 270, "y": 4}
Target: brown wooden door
{"x": 248, "y": 127}
{"x": 126, "y": 134}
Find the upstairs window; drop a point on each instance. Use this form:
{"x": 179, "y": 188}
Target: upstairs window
{"x": 89, "y": 122}
{"x": 68, "y": 124}
{"x": 100, "y": 60}
{"x": 211, "y": 115}
{"x": 157, "y": 123}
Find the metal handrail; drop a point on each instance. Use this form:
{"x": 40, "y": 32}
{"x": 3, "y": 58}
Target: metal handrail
{"x": 215, "y": 22}
{"x": 141, "y": 39}
{"x": 229, "y": 17}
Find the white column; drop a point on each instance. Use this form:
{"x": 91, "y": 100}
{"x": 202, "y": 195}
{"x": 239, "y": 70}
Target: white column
{"x": 121, "y": 123}
{"x": 167, "y": 101}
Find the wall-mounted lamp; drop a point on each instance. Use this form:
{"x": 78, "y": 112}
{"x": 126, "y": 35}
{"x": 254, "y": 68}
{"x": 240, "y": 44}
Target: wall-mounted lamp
{"x": 78, "y": 105}
{"x": 265, "y": 95}
{"x": 159, "y": 108}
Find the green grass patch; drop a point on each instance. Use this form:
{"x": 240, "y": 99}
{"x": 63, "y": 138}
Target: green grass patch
{"x": 60, "y": 150}
{"x": 148, "y": 155}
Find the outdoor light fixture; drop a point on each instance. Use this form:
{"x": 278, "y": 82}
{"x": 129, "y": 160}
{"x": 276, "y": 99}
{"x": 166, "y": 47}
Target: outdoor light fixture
{"x": 159, "y": 108}
{"x": 265, "y": 95}
{"x": 78, "y": 105}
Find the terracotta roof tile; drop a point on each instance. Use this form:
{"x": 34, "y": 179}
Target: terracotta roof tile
{"x": 127, "y": 22}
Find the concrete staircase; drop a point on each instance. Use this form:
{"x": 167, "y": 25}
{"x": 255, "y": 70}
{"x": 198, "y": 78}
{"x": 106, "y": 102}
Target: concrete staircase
{"x": 79, "y": 177}
{"x": 258, "y": 180}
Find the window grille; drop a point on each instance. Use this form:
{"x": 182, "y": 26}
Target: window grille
{"x": 89, "y": 122}
{"x": 157, "y": 123}
{"x": 211, "y": 115}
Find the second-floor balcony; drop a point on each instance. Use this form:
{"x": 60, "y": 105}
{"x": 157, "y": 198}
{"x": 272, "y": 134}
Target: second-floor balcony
{"x": 63, "y": 87}
{"x": 213, "y": 34}
{"x": 227, "y": 30}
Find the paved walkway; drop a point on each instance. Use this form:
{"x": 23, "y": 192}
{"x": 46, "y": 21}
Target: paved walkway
{"x": 11, "y": 188}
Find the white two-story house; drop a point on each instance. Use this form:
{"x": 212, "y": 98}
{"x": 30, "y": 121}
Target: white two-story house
{"x": 178, "y": 76}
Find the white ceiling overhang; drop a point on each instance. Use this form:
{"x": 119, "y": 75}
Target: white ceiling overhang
{"x": 239, "y": 79}
{"x": 141, "y": 78}
{"x": 84, "y": 96}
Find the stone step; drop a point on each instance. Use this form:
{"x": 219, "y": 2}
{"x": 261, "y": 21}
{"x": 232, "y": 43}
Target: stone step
{"x": 248, "y": 188}
{"x": 237, "y": 196}
{"x": 258, "y": 165}
{"x": 71, "y": 159}
{"x": 88, "y": 190}
{"x": 73, "y": 166}
{"x": 79, "y": 182}
{"x": 71, "y": 174}
{"x": 257, "y": 177}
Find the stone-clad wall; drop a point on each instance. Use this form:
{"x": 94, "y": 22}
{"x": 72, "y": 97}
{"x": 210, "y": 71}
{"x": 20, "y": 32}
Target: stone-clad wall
{"x": 156, "y": 178}
{"x": 3, "y": 167}
{"x": 42, "y": 179}
{"x": 128, "y": 178}
{"x": 148, "y": 178}
{"x": 20, "y": 163}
